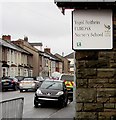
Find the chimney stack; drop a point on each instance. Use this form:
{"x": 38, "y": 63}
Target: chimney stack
{"x": 26, "y": 38}
{"x": 6, "y": 37}
{"x": 47, "y": 50}
{"x": 62, "y": 54}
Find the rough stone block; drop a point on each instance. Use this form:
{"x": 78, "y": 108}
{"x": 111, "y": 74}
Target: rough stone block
{"x": 113, "y": 100}
{"x": 103, "y": 100}
{"x": 91, "y": 63}
{"x": 87, "y": 73}
{"x": 86, "y": 95}
{"x": 109, "y": 106}
{"x": 93, "y": 107}
{"x": 112, "y": 80}
{"x": 102, "y": 63}
{"x": 107, "y": 115}
{"x": 86, "y": 55}
{"x": 96, "y": 86}
{"x": 86, "y": 116}
{"x": 79, "y": 107}
{"x": 106, "y": 92}
{"x": 109, "y": 85}
{"x": 98, "y": 81}
{"x": 106, "y": 73}
{"x": 82, "y": 83}
{"x": 81, "y": 64}
{"x": 112, "y": 64}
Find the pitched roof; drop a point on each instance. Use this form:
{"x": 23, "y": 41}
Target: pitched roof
{"x": 71, "y": 55}
{"x": 36, "y": 44}
{"x": 61, "y": 57}
{"x": 10, "y": 45}
{"x": 53, "y": 57}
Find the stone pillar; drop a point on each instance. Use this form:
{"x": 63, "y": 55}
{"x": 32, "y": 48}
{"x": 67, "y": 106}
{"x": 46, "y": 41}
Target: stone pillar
{"x": 96, "y": 83}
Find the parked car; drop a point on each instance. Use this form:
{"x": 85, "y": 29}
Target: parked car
{"x": 28, "y": 83}
{"x": 56, "y": 75}
{"x": 40, "y": 79}
{"x": 69, "y": 82}
{"x": 20, "y": 78}
{"x": 9, "y": 83}
{"x": 51, "y": 91}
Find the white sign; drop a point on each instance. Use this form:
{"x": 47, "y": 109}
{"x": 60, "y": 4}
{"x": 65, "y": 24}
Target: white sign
{"x": 92, "y": 29}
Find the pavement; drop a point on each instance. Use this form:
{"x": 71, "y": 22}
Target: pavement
{"x": 66, "y": 113}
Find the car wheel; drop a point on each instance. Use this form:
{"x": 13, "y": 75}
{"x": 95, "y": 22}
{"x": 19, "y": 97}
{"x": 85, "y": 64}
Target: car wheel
{"x": 66, "y": 101}
{"x": 35, "y": 104}
{"x": 70, "y": 99}
{"x": 62, "y": 103}
{"x": 15, "y": 88}
{"x": 4, "y": 90}
{"x": 21, "y": 90}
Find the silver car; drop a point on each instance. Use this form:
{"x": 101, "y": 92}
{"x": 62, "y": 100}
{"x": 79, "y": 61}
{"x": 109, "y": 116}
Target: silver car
{"x": 29, "y": 83}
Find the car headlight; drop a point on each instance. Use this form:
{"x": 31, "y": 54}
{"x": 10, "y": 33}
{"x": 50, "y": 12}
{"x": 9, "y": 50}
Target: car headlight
{"x": 38, "y": 92}
{"x": 33, "y": 84}
{"x": 20, "y": 84}
{"x": 60, "y": 93}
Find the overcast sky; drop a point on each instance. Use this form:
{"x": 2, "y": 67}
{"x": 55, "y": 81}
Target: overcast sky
{"x": 40, "y": 21}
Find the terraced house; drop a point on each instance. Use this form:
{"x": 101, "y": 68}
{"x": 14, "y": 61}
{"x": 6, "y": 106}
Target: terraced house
{"x": 23, "y": 43}
{"x": 21, "y": 58}
{"x": 14, "y": 59}
{"x": 49, "y": 63}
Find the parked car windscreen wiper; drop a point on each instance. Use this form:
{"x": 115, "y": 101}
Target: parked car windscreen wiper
{"x": 50, "y": 85}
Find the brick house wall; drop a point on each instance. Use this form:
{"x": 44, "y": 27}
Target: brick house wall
{"x": 96, "y": 83}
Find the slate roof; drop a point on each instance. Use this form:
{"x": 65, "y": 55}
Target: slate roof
{"x": 36, "y": 44}
{"x": 50, "y": 56}
{"x": 10, "y": 45}
{"x": 71, "y": 55}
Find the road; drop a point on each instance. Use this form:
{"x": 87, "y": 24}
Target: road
{"x": 29, "y": 111}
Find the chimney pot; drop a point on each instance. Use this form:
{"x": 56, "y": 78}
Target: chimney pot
{"x": 26, "y": 39}
{"x": 6, "y": 37}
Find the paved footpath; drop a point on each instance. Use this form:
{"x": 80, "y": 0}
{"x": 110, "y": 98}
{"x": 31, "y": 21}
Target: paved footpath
{"x": 66, "y": 113}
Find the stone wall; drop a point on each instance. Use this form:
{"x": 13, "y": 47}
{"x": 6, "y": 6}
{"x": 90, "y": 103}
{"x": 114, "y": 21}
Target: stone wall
{"x": 0, "y": 58}
{"x": 96, "y": 83}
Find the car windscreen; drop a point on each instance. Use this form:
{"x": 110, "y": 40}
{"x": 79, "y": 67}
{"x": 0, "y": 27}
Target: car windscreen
{"x": 52, "y": 85}
{"x": 19, "y": 77}
{"x": 40, "y": 78}
{"x": 10, "y": 79}
{"x": 28, "y": 79}
{"x": 67, "y": 77}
